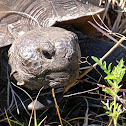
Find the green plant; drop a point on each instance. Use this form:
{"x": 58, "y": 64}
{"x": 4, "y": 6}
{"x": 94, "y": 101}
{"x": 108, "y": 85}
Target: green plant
{"x": 114, "y": 77}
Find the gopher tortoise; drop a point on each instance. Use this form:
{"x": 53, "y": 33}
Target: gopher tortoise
{"x": 41, "y": 56}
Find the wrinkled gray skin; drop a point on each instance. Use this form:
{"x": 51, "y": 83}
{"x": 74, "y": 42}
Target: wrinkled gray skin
{"x": 46, "y": 57}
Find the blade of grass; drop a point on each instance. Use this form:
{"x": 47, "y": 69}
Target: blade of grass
{"x": 42, "y": 121}
{"x": 7, "y": 117}
{"x": 57, "y": 107}
{"x": 35, "y": 119}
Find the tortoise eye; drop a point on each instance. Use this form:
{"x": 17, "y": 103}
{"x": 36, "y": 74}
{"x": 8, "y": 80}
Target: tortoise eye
{"x": 47, "y": 54}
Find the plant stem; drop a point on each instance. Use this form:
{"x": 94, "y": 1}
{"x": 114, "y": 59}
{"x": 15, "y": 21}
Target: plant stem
{"x": 57, "y": 107}
{"x": 114, "y": 111}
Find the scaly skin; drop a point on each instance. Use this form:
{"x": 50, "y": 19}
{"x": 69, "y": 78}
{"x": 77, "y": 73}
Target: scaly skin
{"x": 46, "y": 57}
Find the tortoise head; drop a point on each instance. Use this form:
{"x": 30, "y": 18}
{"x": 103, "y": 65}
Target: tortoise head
{"x": 46, "y": 57}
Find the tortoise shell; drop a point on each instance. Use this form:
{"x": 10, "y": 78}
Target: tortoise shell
{"x": 19, "y": 16}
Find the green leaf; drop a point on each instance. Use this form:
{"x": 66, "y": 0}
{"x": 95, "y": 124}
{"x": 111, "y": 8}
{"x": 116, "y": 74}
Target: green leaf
{"x": 95, "y": 59}
{"x": 119, "y": 109}
{"x": 120, "y": 86}
{"x": 104, "y": 66}
{"x": 109, "y": 67}
{"x": 99, "y": 62}
{"x": 122, "y": 73}
{"x": 117, "y": 104}
{"x": 108, "y": 91}
{"x": 103, "y": 102}
{"x": 121, "y": 63}
{"x": 110, "y": 77}
{"x": 111, "y": 83}
{"x": 111, "y": 114}
{"x": 111, "y": 105}
{"x": 106, "y": 105}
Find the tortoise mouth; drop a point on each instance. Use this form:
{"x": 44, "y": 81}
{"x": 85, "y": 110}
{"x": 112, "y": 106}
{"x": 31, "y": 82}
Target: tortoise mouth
{"x": 57, "y": 79}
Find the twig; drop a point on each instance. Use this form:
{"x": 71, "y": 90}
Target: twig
{"x": 107, "y": 30}
{"x": 110, "y": 122}
{"x": 80, "y": 92}
{"x": 106, "y": 34}
{"x": 87, "y": 71}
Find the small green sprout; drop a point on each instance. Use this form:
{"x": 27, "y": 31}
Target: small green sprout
{"x": 114, "y": 77}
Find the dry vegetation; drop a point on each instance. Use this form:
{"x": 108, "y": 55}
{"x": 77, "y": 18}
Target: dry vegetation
{"x": 81, "y": 105}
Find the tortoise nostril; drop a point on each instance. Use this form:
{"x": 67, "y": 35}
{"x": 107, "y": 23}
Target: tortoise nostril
{"x": 47, "y": 54}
